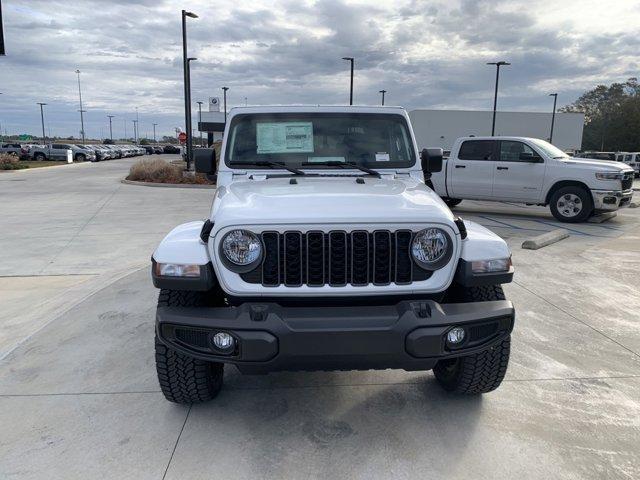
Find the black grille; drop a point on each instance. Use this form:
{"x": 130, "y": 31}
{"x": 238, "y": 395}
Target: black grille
{"x": 336, "y": 258}
{"x": 480, "y": 332}
{"x": 627, "y": 181}
{"x": 192, "y": 337}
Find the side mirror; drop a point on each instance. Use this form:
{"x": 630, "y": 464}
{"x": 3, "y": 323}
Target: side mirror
{"x": 205, "y": 160}
{"x": 431, "y": 160}
{"x": 529, "y": 157}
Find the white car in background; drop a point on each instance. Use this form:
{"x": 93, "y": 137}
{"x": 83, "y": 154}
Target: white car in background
{"x": 630, "y": 158}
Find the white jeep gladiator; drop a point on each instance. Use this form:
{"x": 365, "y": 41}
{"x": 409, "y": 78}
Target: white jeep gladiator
{"x": 325, "y": 250}
{"x": 532, "y": 171}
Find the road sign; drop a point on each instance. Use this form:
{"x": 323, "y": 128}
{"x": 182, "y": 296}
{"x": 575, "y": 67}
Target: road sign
{"x": 24, "y": 138}
{"x": 182, "y": 136}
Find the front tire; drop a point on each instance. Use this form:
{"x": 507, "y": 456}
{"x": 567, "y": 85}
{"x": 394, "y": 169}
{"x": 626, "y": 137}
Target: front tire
{"x": 184, "y": 379}
{"x": 571, "y": 204}
{"x": 480, "y": 372}
{"x": 40, "y": 157}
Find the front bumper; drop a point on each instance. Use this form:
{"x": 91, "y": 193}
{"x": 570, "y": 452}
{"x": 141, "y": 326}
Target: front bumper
{"x": 409, "y": 335}
{"x": 607, "y": 200}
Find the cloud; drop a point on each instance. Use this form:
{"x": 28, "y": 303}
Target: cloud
{"x": 425, "y": 53}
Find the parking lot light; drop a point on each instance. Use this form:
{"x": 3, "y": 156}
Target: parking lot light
{"x": 553, "y": 115}
{"x": 224, "y": 91}
{"x": 81, "y": 110}
{"x": 44, "y": 139}
{"x": 110, "y": 127}
{"x": 495, "y": 95}
{"x": 382, "y": 92}
{"x": 350, "y": 59}
{"x": 187, "y": 86}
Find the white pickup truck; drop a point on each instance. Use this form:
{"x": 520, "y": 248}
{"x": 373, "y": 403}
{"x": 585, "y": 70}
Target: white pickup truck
{"x": 534, "y": 172}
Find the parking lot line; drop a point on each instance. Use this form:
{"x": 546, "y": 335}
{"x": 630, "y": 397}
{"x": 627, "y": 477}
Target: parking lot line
{"x": 516, "y": 227}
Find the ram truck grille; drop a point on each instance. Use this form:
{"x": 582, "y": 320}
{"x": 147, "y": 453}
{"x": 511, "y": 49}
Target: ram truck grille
{"x": 337, "y": 258}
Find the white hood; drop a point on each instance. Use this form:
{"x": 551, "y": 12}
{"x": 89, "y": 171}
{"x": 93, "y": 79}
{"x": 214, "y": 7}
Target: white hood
{"x": 327, "y": 200}
{"x": 604, "y": 165}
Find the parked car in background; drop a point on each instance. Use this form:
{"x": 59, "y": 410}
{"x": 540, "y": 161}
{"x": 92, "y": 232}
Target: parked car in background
{"x": 158, "y": 149}
{"x": 21, "y": 151}
{"x": 172, "y": 149}
{"x": 630, "y": 158}
{"x": 97, "y": 156}
{"x": 597, "y": 155}
{"x": 534, "y": 172}
{"x": 58, "y": 151}
{"x": 149, "y": 150}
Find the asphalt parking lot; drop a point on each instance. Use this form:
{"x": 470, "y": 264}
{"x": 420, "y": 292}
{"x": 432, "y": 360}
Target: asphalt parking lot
{"x": 79, "y": 396}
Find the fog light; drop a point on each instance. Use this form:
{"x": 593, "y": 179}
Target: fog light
{"x": 455, "y": 336}
{"x": 223, "y": 342}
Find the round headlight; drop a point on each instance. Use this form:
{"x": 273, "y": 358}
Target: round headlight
{"x": 431, "y": 248}
{"x": 241, "y": 247}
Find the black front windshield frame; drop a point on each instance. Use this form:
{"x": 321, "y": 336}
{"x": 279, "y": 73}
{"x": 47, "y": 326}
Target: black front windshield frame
{"x": 373, "y": 140}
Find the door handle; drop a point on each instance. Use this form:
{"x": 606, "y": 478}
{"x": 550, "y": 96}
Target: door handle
{"x": 461, "y": 166}
{"x": 503, "y": 168}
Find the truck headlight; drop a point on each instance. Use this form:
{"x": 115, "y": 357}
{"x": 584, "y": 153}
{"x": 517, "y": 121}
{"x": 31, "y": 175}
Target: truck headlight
{"x": 491, "y": 266}
{"x": 431, "y": 248}
{"x": 177, "y": 270}
{"x": 609, "y": 175}
{"x": 241, "y": 247}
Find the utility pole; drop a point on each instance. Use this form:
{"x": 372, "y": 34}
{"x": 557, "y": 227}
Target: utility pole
{"x": 81, "y": 110}
{"x": 350, "y": 59}
{"x": 154, "y": 133}
{"x": 135, "y": 131}
{"x": 553, "y": 115}
{"x": 44, "y": 137}
{"x": 382, "y": 92}
{"x": 495, "y": 96}
{"x": 224, "y": 90}
{"x": 110, "y": 127}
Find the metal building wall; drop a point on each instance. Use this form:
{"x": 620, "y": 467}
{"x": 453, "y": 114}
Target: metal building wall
{"x": 440, "y": 128}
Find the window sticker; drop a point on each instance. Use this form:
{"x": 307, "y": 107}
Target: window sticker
{"x": 284, "y": 137}
{"x": 382, "y": 157}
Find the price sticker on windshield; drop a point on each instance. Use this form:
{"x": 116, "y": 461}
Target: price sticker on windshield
{"x": 284, "y": 137}
{"x": 382, "y": 157}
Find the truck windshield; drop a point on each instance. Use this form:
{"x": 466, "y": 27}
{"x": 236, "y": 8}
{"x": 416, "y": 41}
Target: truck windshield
{"x": 548, "y": 149}
{"x": 320, "y": 140}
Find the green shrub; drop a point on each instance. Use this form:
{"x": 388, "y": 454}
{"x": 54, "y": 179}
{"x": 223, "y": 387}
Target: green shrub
{"x": 11, "y": 162}
{"x": 160, "y": 171}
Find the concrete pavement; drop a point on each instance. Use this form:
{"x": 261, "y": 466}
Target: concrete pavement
{"x": 79, "y": 396}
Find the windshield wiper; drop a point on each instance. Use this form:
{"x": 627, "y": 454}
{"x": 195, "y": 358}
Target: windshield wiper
{"x": 268, "y": 163}
{"x": 345, "y": 165}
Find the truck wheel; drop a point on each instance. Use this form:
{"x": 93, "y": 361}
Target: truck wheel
{"x": 40, "y": 157}
{"x": 571, "y": 204}
{"x": 452, "y": 202}
{"x": 80, "y": 157}
{"x": 481, "y": 372}
{"x": 185, "y": 379}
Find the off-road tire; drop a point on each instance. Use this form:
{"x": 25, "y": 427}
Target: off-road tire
{"x": 582, "y": 194}
{"x": 480, "y": 372}
{"x": 184, "y": 379}
{"x": 452, "y": 202}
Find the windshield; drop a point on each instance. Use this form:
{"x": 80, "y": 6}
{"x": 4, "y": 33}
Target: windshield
{"x": 320, "y": 140}
{"x": 548, "y": 149}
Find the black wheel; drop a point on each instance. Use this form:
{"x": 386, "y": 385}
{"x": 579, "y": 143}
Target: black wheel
{"x": 40, "y": 157}
{"x": 185, "y": 379}
{"x": 571, "y": 204}
{"x": 481, "y": 372}
{"x": 80, "y": 157}
{"x": 452, "y": 202}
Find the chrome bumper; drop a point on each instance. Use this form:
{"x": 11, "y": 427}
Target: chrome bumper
{"x": 608, "y": 200}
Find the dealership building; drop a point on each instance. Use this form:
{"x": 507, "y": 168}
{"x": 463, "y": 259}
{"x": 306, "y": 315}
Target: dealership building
{"x": 441, "y": 128}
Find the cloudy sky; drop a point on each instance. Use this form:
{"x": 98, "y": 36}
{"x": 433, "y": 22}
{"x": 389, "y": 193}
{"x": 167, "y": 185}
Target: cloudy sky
{"x": 426, "y": 54}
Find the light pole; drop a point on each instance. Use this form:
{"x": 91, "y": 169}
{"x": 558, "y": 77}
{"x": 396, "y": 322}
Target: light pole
{"x": 189, "y": 125}
{"x": 382, "y": 92}
{"x": 350, "y": 59}
{"x": 44, "y": 137}
{"x": 110, "y": 127}
{"x": 200, "y": 120}
{"x": 553, "y": 115}
{"x": 154, "y": 133}
{"x": 495, "y": 96}
{"x": 224, "y": 90}
{"x": 187, "y": 86}
{"x": 137, "y": 125}
{"x": 135, "y": 131}
{"x": 81, "y": 110}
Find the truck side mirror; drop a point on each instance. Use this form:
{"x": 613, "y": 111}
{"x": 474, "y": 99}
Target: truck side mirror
{"x": 431, "y": 160}
{"x": 205, "y": 160}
